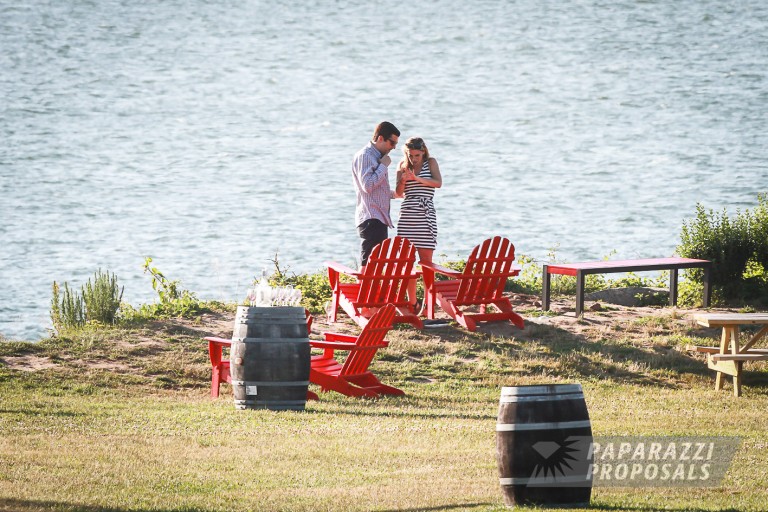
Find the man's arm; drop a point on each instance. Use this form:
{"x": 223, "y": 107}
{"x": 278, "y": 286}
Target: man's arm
{"x": 371, "y": 171}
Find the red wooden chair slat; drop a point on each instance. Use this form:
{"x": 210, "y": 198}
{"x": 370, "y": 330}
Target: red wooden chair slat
{"x": 481, "y": 284}
{"x": 383, "y": 281}
{"x": 352, "y": 378}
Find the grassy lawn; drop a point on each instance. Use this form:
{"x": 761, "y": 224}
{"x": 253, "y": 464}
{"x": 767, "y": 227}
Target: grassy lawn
{"x": 121, "y": 419}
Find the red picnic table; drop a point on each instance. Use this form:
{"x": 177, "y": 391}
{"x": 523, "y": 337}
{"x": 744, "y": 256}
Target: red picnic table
{"x": 606, "y": 267}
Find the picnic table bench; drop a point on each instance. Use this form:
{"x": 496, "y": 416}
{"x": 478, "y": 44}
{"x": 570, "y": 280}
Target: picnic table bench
{"x": 728, "y": 358}
{"x": 580, "y": 270}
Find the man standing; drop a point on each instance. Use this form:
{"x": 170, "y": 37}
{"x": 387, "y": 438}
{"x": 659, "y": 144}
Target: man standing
{"x": 371, "y": 176}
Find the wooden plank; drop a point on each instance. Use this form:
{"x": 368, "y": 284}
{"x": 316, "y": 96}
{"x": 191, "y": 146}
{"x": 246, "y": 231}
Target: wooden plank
{"x": 725, "y": 319}
{"x": 724, "y": 367}
{"x": 716, "y": 350}
{"x": 758, "y": 335}
{"x": 740, "y": 357}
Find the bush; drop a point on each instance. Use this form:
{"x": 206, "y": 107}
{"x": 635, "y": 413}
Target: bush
{"x": 102, "y": 298}
{"x": 760, "y": 231}
{"x": 174, "y": 300}
{"x": 67, "y": 309}
{"x": 98, "y": 303}
{"x": 737, "y": 248}
{"x": 315, "y": 288}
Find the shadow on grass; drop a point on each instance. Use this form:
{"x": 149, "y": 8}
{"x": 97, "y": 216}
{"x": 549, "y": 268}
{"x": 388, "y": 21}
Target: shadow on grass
{"x": 356, "y": 411}
{"x": 655, "y": 509}
{"x": 463, "y": 506}
{"x": 47, "y": 413}
{"x": 654, "y": 358}
{"x": 577, "y": 356}
{"x": 17, "y": 505}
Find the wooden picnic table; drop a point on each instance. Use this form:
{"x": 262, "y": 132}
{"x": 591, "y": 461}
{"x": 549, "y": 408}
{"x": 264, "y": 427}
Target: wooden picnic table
{"x": 581, "y": 270}
{"x": 728, "y": 358}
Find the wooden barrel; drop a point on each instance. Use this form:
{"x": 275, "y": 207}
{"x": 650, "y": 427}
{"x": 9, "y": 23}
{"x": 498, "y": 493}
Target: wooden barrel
{"x": 543, "y": 446}
{"x": 269, "y": 359}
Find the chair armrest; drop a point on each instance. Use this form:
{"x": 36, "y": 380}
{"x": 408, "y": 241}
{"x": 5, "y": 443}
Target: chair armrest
{"x": 440, "y": 269}
{"x": 215, "y": 348}
{"x": 343, "y": 269}
{"x": 219, "y": 341}
{"x": 338, "y": 345}
{"x": 336, "y": 336}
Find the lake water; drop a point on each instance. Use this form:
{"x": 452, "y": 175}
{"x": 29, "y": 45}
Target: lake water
{"x": 211, "y": 136}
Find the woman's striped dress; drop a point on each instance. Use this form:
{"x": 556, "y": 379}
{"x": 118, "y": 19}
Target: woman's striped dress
{"x": 418, "y": 219}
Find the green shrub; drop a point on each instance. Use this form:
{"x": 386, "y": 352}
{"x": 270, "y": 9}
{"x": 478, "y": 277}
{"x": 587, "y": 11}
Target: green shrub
{"x": 174, "y": 300}
{"x": 102, "y": 298}
{"x": 67, "y": 308}
{"x": 97, "y": 303}
{"x": 315, "y": 288}
{"x": 729, "y": 243}
{"x": 724, "y": 241}
{"x": 759, "y": 231}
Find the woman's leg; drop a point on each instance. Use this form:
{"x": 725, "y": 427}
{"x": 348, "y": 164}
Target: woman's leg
{"x": 425, "y": 255}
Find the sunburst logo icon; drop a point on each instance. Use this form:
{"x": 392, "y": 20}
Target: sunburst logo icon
{"x": 560, "y": 462}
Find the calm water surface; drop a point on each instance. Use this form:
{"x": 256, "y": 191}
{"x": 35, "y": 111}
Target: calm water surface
{"x": 212, "y": 136}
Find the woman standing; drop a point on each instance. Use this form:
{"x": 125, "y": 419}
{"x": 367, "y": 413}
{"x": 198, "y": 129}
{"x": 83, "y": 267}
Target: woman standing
{"x": 418, "y": 175}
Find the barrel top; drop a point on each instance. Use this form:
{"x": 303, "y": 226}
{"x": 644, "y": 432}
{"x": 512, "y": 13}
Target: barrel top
{"x": 272, "y": 309}
{"x": 545, "y": 389}
{"x": 270, "y": 312}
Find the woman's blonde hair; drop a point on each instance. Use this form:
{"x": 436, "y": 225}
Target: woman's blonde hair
{"x": 414, "y": 143}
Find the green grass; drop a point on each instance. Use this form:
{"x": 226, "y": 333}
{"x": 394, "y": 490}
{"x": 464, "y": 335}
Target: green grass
{"x": 121, "y": 420}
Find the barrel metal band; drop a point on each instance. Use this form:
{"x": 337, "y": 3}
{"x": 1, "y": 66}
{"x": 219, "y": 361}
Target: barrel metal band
{"x": 554, "y": 389}
{"x": 268, "y": 402}
{"x": 549, "y": 480}
{"x": 550, "y": 398}
{"x": 516, "y": 427}
{"x": 271, "y": 383}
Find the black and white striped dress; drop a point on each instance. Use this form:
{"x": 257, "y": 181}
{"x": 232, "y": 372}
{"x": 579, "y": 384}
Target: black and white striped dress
{"x": 418, "y": 219}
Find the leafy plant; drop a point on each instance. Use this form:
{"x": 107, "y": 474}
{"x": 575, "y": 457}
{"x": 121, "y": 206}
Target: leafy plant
{"x": 759, "y": 231}
{"x": 175, "y": 301}
{"x": 97, "y": 303}
{"x": 729, "y": 243}
{"x": 67, "y": 308}
{"x": 102, "y": 298}
{"x": 724, "y": 241}
{"x": 315, "y": 288}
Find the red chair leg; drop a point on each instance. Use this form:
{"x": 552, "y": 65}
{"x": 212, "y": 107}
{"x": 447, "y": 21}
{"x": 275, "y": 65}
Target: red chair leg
{"x": 215, "y": 382}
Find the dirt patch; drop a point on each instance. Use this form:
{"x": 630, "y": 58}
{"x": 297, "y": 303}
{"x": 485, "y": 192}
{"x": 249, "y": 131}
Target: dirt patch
{"x": 28, "y": 363}
{"x": 110, "y": 366}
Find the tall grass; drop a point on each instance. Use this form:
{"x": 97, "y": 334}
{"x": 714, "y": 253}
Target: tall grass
{"x": 98, "y": 302}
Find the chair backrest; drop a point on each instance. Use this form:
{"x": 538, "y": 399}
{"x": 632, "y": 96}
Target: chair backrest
{"x": 385, "y": 278}
{"x": 488, "y": 268}
{"x": 373, "y": 334}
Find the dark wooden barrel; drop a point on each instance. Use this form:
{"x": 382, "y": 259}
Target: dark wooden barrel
{"x": 269, "y": 359}
{"x": 543, "y": 445}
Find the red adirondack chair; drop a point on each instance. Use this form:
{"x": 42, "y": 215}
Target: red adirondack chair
{"x": 480, "y": 284}
{"x": 352, "y": 378}
{"x": 221, "y": 366}
{"x": 384, "y": 280}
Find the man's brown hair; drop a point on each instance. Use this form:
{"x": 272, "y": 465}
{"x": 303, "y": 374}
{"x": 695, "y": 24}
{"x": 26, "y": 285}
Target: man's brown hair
{"x": 386, "y": 130}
